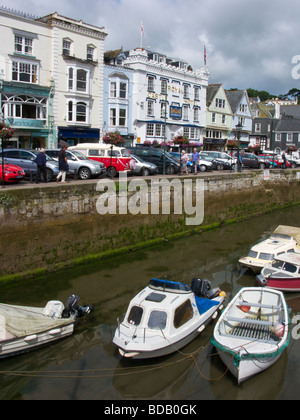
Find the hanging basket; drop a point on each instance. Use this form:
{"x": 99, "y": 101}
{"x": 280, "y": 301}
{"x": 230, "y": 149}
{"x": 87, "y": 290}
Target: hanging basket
{"x": 113, "y": 138}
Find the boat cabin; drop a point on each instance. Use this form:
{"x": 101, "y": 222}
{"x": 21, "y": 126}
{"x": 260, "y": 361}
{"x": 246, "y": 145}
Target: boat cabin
{"x": 161, "y": 306}
{"x": 287, "y": 264}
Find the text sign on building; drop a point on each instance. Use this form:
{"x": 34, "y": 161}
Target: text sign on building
{"x": 176, "y": 112}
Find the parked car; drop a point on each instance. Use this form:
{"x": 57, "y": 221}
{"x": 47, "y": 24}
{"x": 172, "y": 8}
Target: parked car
{"x": 204, "y": 165}
{"x": 25, "y": 159}
{"x": 273, "y": 160}
{"x": 79, "y": 165}
{"x": 222, "y": 157}
{"x": 140, "y": 167}
{"x": 217, "y": 164}
{"x": 116, "y": 159}
{"x": 252, "y": 161}
{"x": 155, "y": 156}
{"x": 12, "y": 173}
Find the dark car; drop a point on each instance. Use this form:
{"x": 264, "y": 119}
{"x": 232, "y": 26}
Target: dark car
{"x": 156, "y": 156}
{"x": 141, "y": 167}
{"x": 252, "y": 161}
{"x": 26, "y": 160}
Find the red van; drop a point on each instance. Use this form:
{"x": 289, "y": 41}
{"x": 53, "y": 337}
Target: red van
{"x": 116, "y": 159}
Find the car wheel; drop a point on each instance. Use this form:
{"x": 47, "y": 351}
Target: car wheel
{"x": 262, "y": 166}
{"x": 220, "y": 167}
{"x": 202, "y": 168}
{"x": 111, "y": 172}
{"x": 170, "y": 170}
{"x": 49, "y": 175}
{"x": 146, "y": 172}
{"x": 84, "y": 173}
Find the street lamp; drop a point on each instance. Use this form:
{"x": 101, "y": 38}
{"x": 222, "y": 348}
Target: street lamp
{"x": 239, "y": 127}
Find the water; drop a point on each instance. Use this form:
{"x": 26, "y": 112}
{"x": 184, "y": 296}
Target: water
{"x": 87, "y": 365}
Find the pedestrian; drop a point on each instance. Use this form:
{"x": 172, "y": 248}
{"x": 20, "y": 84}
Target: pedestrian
{"x": 62, "y": 165}
{"x": 41, "y": 161}
{"x": 240, "y": 160}
{"x": 195, "y": 160}
{"x": 184, "y": 160}
{"x": 284, "y": 161}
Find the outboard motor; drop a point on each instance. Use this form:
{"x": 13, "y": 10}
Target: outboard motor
{"x": 72, "y": 308}
{"x": 202, "y": 288}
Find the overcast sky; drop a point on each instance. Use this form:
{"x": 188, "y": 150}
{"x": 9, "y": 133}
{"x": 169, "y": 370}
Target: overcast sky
{"x": 249, "y": 43}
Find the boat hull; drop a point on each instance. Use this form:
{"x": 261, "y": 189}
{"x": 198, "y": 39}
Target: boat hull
{"x": 254, "y": 266}
{"x": 243, "y": 370}
{"x": 15, "y": 346}
{"x": 282, "y": 284}
{"x": 252, "y": 332}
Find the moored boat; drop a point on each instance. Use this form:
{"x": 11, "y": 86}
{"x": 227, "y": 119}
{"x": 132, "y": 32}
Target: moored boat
{"x": 282, "y": 274}
{"x": 23, "y": 328}
{"x": 283, "y": 239}
{"x": 252, "y": 332}
{"x": 166, "y": 316}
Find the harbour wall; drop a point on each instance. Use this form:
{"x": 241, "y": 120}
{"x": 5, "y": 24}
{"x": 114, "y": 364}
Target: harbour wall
{"x": 45, "y": 228}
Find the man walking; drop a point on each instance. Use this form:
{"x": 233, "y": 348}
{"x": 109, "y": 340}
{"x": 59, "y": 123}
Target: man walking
{"x": 195, "y": 160}
{"x": 41, "y": 161}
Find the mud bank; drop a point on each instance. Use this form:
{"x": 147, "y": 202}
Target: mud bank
{"x": 49, "y": 228}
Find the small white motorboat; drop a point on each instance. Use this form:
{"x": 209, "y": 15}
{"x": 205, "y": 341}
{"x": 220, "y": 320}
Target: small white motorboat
{"x": 23, "y": 328}
{"x": 282, "y": 274}
{"x": 166, "y": 316}
{"x": 283, "y": 239}
{"x": 252, "y": 332}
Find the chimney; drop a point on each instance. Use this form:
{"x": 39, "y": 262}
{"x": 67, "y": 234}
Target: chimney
{"x": 277, "y": 109}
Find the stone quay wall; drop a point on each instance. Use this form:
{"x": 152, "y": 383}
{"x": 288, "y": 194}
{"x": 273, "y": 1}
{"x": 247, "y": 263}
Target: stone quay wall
{"x": 52, "y": 226}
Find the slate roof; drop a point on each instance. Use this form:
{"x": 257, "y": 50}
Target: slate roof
{"x": 234, "y": 98}
{"x": 212, "y": 90}
{"x": 288, "y": 124}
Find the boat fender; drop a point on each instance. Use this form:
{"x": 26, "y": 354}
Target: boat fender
{"x": 202, "y": 328}
{"x": 279, "y": 330}
{"x": 245, "y": 308}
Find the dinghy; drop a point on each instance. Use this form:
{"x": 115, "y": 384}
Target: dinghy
{"x": 166, "y": 316}
{"x": 252, "y": 332}
{"x": 23, "y": 328}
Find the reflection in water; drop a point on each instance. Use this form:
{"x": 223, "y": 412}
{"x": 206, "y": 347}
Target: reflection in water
{"x": 88, "y": 366}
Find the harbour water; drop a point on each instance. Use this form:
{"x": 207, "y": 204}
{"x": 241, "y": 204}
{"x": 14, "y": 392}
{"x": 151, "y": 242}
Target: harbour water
{"x": 87, "y": 365}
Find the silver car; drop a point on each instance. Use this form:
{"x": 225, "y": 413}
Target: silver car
{"x": 82, "y": 167}
{"x": 140, "y": 167}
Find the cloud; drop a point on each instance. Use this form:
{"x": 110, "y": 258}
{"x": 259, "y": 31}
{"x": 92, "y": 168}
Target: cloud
{"x": 250, "y": 43}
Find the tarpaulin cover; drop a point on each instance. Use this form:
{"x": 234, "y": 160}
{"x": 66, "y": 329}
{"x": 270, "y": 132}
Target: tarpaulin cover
{"x": 21, "y": 321}
{"x": 204, "y": 305}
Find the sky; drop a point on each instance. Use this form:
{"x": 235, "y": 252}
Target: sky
{"x": 249, "y": 43}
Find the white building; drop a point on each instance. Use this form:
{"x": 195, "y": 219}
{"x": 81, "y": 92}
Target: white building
{"x": 51, "y": 78}
{"x": 169, "y": 98}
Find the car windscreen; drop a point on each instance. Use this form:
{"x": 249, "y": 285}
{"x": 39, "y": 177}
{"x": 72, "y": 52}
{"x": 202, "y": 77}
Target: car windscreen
{"x": 79, "y": 155}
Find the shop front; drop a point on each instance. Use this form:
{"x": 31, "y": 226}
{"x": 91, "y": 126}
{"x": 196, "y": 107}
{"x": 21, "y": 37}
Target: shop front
{"x": 75, "y": 135}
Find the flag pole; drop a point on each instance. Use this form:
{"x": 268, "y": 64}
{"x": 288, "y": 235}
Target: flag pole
{"x": 142, "y": 34}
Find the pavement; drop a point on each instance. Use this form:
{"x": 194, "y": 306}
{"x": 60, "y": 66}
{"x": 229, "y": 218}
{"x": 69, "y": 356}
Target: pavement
{"x": 72, "y": 181}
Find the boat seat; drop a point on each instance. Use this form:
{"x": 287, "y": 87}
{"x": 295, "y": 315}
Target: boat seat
{"x": 249, "y": 321}
{"x": 259, "y": 305}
